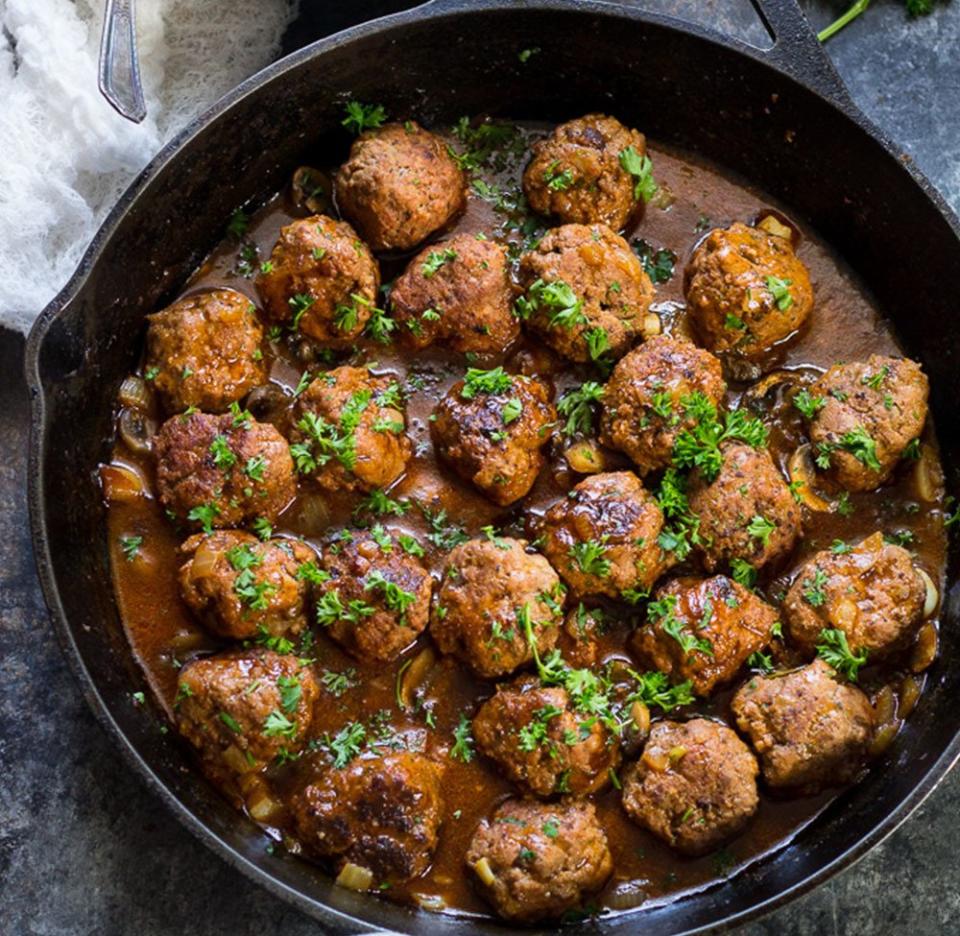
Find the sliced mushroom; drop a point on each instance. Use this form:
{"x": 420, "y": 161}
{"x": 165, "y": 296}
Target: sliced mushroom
{"x": 311, "y": 189}
{"x": 802, "y": 476}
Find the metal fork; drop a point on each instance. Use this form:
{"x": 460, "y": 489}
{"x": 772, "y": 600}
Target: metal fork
{"x": 119, "y": 77}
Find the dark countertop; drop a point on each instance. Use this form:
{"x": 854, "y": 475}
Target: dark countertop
{"x": 85, "y": 849}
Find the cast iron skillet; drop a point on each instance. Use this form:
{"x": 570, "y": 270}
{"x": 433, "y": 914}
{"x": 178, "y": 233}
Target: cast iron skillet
{"x": 779, "y": 117}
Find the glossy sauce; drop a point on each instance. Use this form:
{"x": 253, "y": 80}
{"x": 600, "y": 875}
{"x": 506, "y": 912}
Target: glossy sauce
{"x": 844, "y": 325}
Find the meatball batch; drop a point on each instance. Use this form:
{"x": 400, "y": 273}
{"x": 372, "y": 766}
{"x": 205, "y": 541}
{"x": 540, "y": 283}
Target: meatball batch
{"x": 222, "y": 471}
{"x": 585, "y": 292}
{"x": 350, "y": 430}
{"x": 694, "y": 786}
{"x": 242, "y": 709}
{"x": 578, "y": 173}
{"x": 810, "y": 729}
{"x": 491, "y": 428}
{"x": 240, "y": 587}
{"x": 399, "y": 185}
{"x": 703, "y": 630}
{"x": 746, "y": 512}
{"x": 456, "y": 293}
{"x": 747, "y": 291}
{"x": 872, "y": 592}
{"x": 643, "y": 411}
{"x": 866, "y": 414}
{"x": 493, "y": 598}
{"x": 542, "y": 743}
{"x": 603, "y": 538}
{"x": 380, "y": 813}
{"x": 535, "y": 861}
{"x": 204, "y": 351}
{"x": 376, "y": 598}
{"x": 321, "y": 280}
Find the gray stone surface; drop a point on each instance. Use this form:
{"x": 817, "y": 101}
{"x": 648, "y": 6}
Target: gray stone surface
{"x": 85, "y": 849}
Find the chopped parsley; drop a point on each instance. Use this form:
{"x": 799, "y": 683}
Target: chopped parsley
{"x": 577, "y": 406}
{"x": 131, "y": 546}
{"x": 780, "y": 290}
{"x": 435, "y": 260}
{"x": 558, "y": 180}
{"x": 641, "y": 168}
{"x": 808, "y": 404}
{"x": 658, "y": 264}
{"x": 589, "y": 557}
{"x": 485, "y": 381}
{"x": 814, "y": 588}
{"x": 699, "y": 446}
{"x": 205, "y": 515}
{"x": 379, "y": 503}
{"x": 760, "y": 528}
{"x": 663, "y": 613}
{"x": 834, "y": 650}
{"x": 223, "y": 456}
{"x": 555, "y": 299}
{"x": 362, "y": 117}
{"x": 462, "y": 749}
{"x": 346, "y": 744}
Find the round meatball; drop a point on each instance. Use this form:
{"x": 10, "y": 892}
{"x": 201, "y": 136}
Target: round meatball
{"x": 746, "y": 290}
{"x": 534, "y": 861}
{"x": 350, "y": 430}
{"x": 643, "y": 411}
{"x": 492, "y": 591}
{"x": 379, "y": 813}
{"x": 873, "y": 593}
{"x": 222, "y": 471}
{"x": 747, "y": 512}
{"x": 810, "y": 729}
{"x": 870, "y": 412}
{"x": 491, "y": 428}
{"x": 603, "y": 537}
{"x": 542, "y": 743}
{"x": 576, "y": 175}
{"x": 242, "y": 709}
{"x": 694, "y": 786}
{"x": 204, "y": 351}
{"x": 456, "y": 293}
{"x": 703, "y": 630}
{"x": 322, "y": 279}
{"x": 377, "y": 599}
{"x": 585, "y": 292}
{"x": 240, "y": 587}
{"x": 399, "y": 185}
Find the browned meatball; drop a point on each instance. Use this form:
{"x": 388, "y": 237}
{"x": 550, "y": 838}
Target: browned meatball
{"x": 585, "y": 292}
{"x": 582, "y": 628}
{"x": 746, "y": 290}
{"x": 542, "y": 743}
{"x": 242, "y": 709}
{"x": 747, "y": 512}
{"x": 703, "y": 630}
{"x": 870, "y": 412}
{"x": 399, "y": 185}
{"x": 456, "y": 293}
{"x": 349, "y": 430}
{"x": 810, "y": 729}
{"x": 491, "y": 589}
{"x": 534, "y": 861}
{"x": 322, "y": 279}
{"x": 204, "y": 351}
{"x": 491, "y": 428}
{"x": 240, "y": 587}
{"x": 603, "y": 537}
{"x": 642, "y": 409}
{"x": 222, "y": 471}
{"x": 377, "y": 599}
{"x": 873, "y": 593}
{"x": 576, "y": 175}
{"x": 695, "y": 786}
{"x": 380, "y": 813}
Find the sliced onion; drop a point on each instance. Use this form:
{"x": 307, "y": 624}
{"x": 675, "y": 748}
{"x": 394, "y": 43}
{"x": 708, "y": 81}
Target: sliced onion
{"x": 311, "y": 189}
{"x": 122, "y": 484}
{"x": 585, "y": 458}
{"x": 628, "y": 894}
{"x": 885, "y": 706}
{"x": 932, "y": 598}
{"x": 845, "y": 614}
{"x": 927, "y": 477}
{"x": 651, "y": 325}
{"x": 205, "y": 561}
{"x": 484, "y": 872}
{"x": 264, "y": 808}
{"x": 314, "y": 514}
{"x": 237, "y": 761}
{"x": 884, "y": 738}
{"x": 774, "y": 226}
{"x": 909, "y": 694}
{"x": 925, "y": 649}
{"x": 677, "y": 753}
{"x": 354, "y": 877}
{"x": 134, "y": 392}
{"x": 185, "y": 640}
{"x": 641, "y": 718}
{"x": 663, "y": 198}
{"x": 432, "y": 903}
{"x": 136, "y": 430}
{"x": 802, "y": 475}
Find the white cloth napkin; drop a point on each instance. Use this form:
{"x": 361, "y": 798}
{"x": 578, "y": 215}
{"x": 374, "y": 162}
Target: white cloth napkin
{"x": 65, "y": 155}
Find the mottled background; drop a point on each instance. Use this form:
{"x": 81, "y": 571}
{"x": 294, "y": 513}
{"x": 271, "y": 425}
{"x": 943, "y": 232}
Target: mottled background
{"x": 85, "y": 849}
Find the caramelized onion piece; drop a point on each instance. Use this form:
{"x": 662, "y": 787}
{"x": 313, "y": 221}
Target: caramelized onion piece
{"x": 204, "y": 563}
{"x": 484, "y": 872}
{"x": 651, "y": 325}
{"x": 932, "y": 598}
{"x": 885, "y": 705}
{"x": 237, "y": 761}
{"x": 354, "y": 877}
{"x": 310, "y": 189}
{"x": 772, "y": 225}
{"x": 803, "y": 475}
{"x": 909, "y": 694}
{"x": 927, "y": 477}
{"x": 641, "y": 718}
{"x": 122, "y": 484}
{"x": 925, "y": 649}
{"x": 264, "y": 808}
{"x": 136, "y": 430}
{"x": 432, "y": 903}
{"x": 628, "y": 894}
{"x": 884, "y": 738}
{"x": 585, "y": 458}
{"x": 134, "y": 392}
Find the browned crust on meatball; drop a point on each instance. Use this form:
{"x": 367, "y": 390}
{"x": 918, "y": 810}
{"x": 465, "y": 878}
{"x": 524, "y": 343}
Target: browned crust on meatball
{"x": 606, "y": 277}
{"x": 642, "y": 411}
{"x": 575, "y": 754}
{"x": 544, "y": 858}
{"x": 399, "y": 185}
{"x": 486, "y": 587}
{"x": 615, "y": 514}
{"x": 501, "y": 458}
{"x": 236, "y": 468}
{"x": 730, "y": 301}
{"x": 718, "y": 611}
{"x": 379, "y": 813}
{"x": 465, "y": 303}
{"x": 585, "y": 151}
{"x": 582, "y": 629}
{"x": 884, "y": 397}
{"x": 809, "y": 729}
{"x": 694, "y": 787}
{"x": 205, "y": 351}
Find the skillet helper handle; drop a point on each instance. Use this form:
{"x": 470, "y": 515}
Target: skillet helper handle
{"x": 119, "y": 73}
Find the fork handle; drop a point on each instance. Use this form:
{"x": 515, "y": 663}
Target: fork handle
{"x": 119, "y": 75}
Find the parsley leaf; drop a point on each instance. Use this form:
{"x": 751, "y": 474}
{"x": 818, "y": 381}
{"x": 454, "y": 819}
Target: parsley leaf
{"x": 362, "y": 117}
{"x": 577, "y": 407}
{"x": 834, "y": 650}
{"x": 641, "y": 168}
